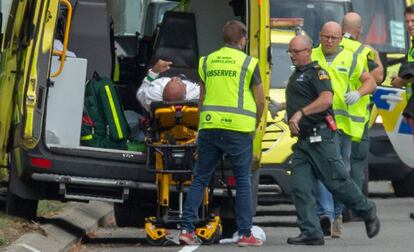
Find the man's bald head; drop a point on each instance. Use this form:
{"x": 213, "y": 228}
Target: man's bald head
{"x": 300, "y": 48}
{"x": 302, "y": 40}
{"x": 332, "y": 27}
{"x": 330, "y": 37}
{"x": 175, "y": 90}
{"x": 352, "y": 24}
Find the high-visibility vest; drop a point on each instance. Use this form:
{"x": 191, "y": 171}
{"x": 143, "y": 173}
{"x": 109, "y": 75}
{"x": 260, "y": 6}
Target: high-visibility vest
{"x": 344, "y": 72}
{"x": 410, "y": 58}
{"x": 228, "y": 103}
{"x": 361, "y": 53}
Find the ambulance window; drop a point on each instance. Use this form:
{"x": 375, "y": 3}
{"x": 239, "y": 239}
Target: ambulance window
{"x": 314, "y": 13}
{"x": 281, "y": 66}
{"x": 4, "y": 9}
{"x": 8, "y": 18}
{"x": 155, "y": 13}
{"x": 383, "y": 24}
{"x": 128, "y": 16}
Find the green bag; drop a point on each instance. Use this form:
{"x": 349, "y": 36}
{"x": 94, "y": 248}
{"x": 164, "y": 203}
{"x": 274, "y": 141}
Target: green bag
{"x": 103, "y": 106}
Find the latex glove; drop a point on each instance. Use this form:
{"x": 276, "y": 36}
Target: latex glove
{"x": 274, "y": 107}
{"x": 352, "y": 97}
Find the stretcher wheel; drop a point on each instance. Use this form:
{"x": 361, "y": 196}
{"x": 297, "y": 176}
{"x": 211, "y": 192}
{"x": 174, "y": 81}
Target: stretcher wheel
{"x": 215, "y": 238}
{"x": 159, "y": 242}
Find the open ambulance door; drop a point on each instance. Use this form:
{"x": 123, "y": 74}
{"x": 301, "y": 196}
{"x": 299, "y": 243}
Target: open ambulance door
{"x": 28, "y": 42}
{"x": 260, "y": 47}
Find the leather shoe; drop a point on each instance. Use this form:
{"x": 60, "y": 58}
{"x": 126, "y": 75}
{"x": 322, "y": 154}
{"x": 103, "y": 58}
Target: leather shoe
{"x": 372, "y": 224}
{"x": 306, "y": 240}
{"x": 325, "y": 225}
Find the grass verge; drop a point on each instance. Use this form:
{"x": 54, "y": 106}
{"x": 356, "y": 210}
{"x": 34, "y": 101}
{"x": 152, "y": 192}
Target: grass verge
{"x": 11, "y": 228}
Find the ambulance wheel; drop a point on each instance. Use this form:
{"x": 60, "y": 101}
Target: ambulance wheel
{"x": 229, "y": 227}
{"x": 15, "y": 204}
{"x": 405, "y": 186}
{"x": 132, "y": 214}
{"x": 24, "y": 208}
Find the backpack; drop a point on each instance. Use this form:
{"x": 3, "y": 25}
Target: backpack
{"x": 103, "y": 123}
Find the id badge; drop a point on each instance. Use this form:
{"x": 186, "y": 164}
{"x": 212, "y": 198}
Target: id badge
{"x": 315, "y": 139}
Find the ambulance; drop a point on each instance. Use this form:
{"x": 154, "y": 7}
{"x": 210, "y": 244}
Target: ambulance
{"x": 50, "y": 49}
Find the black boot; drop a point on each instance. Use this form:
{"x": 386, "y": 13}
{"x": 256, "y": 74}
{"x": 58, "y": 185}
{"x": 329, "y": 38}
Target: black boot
{"x": 372, "y": 224}
{"x": 306, "y": 240}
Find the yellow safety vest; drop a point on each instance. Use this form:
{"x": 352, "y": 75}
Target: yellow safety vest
{"x": 344, "y": 72}
{"x": 228, "y": 103}
{"x": 410, "y": 58}
{"x": 361, "y": 53}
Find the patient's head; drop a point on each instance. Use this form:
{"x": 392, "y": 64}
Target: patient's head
{"x": 175, "y": 90}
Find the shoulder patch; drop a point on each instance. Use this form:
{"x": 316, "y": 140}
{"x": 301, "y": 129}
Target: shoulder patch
{"x": 317, "y": 67}
{"x": 323, "y": 75}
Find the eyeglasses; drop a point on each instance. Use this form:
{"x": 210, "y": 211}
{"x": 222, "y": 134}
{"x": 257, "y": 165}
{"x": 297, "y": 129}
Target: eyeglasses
{"x": 296, "y": 51}
{"x": 326, "y": 37}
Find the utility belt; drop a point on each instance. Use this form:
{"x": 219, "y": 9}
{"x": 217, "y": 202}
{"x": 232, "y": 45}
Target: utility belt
{"x": 314, "y": 130}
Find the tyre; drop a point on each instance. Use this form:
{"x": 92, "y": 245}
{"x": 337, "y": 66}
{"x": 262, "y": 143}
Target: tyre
{"x": 132, "y": 214}
{"x": 405, "y": 186}
{"x": 229, "y": 227}
{"x": 15, "y": 204}
{"x": 24, "y": 208}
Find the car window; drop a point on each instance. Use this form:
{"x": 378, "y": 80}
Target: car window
{"x": 281, "y": 66}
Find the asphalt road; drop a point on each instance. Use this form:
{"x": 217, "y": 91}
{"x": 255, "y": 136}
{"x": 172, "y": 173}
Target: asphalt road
{"x": 279, "y": 223}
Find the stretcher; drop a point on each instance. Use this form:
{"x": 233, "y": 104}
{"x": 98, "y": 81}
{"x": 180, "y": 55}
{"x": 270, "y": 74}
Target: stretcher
{"x": 171, "y": 146}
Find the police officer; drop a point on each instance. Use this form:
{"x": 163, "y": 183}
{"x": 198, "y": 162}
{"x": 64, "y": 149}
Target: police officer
{"x": 309, "y": 98}
{"x": 350, "y": 83}
{"x": 232, "y": 101}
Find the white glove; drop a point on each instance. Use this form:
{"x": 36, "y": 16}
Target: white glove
{"x": 274, "y": 107}
{"x": 352, "y": 97}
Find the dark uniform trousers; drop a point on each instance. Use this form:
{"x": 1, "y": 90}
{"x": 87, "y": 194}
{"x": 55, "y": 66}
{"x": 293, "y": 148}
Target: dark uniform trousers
{"x": 321, "y": 160}
{"x": 359, "y": 155}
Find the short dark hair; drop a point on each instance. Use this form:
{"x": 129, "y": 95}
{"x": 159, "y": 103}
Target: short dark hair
{"x": 409, "y": 9}
{"x": 233, "y": 31}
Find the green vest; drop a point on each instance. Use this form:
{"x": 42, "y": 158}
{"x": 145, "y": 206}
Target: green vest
{"x": 361, "y": 53}
{"x": 410, "y": 58}
{"x": 228, "y": 103}
{"x": 344, "y": 72}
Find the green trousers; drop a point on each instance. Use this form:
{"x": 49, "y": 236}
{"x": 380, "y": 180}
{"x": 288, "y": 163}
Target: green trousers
{"x": 359, "y": 155}
{"x": 321, "y": 160}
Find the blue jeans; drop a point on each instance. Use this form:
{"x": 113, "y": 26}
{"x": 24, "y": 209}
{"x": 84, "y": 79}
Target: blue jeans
{"x": 212, "y": 144}
{"x": 326, "y": 204}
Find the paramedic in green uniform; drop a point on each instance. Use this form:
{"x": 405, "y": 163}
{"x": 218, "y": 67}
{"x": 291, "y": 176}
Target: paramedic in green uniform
{"x": 309, "y": 98}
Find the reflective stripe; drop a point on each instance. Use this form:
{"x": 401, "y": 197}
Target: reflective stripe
{"x": 205, "y": 68}
{"x": 239, "y": 109}
{"x": 354, "y": 62}
{"x": 114, "y": 114}
{"x": 345, "y": 113}
{"x": 241, "y": 82}
{"x": 87, "y": 137}
{"x": 229, "y": 109}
